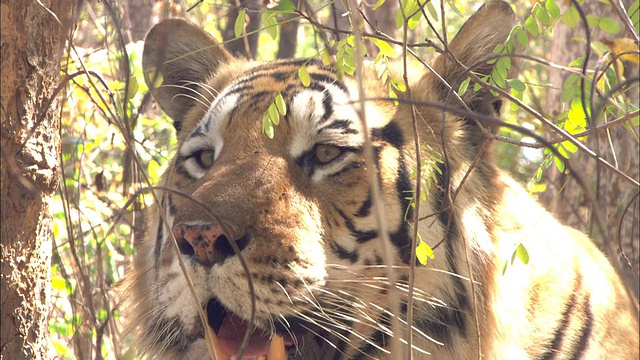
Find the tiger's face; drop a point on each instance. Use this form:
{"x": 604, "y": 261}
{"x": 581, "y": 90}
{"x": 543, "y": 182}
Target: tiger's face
{"x": 279, "y": 236}
{"x": 297, "y": 206}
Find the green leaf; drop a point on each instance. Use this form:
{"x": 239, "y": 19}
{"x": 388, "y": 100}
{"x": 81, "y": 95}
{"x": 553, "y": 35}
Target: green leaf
{"x": 432, "y": 10}
{"x": 240, "y": 22}
{"x": 517, "y": 85}
{"x": 398, "y": 84}
{"x": 423, "y": 252}
{"x": 634, "y": 15}
{"x": 571, "y": 17}
{"x": 464, "y": 86}
{"x": 522, "y": 37}
{"x": 378, "y": 4}
{"x": 280, "y": 104}
{"x": 518, "y": 95}
{"x": 155, "y": 78}
{"x": 593, "y": 20}
{"x": 58, "y": 283}
{"x": 543, "y": 16}
{"x": 523, "y": 254}
{"x": 273, "y": 114}
{"x": 559, "y": 164}
{"x": 270, "y": 21}
{"x": 569, "y": 93}
{"x": 577, "y": 62}
{"x": 609, "y": 25}
{"x": 531, "y": 25}
{"x": 576, "y": 118}
{"x": 552, "y": 8}
{"x": 303, "y": 74}
{"x": 385, "y": 48}
{"x": 267, "y": 126}
{"x": 326, "y": 58}
{"x": 570, "y": 81}
{"x": 133, "y": 87}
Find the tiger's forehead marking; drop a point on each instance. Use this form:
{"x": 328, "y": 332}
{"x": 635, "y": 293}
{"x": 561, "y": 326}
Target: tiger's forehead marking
{"x": 322, "y": 113}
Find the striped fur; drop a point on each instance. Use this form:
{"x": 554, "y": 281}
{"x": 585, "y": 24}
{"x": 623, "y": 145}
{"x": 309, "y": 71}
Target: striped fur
{"x": 308, "y": 229}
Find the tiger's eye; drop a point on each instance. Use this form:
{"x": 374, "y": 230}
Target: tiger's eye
{"x": 327, "y": 153}
{"x": 205, "y": 158}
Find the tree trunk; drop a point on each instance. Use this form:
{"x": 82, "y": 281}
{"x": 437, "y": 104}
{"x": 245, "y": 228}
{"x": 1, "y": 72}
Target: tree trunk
{"x": 244, "y": 46}
{"x": 615, "y": 199}
{"x": 32, "y": 44}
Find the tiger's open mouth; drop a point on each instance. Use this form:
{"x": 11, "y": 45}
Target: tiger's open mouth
{"x": 228, "y": 331}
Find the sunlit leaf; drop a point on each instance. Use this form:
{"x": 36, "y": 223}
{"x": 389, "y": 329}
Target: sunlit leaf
{"x": 423, "y": 252}
{"x": 155, "y": 78}
{"x": 326, "y": 58}
{"x": 240, "y": 22}
{"x": 378, "y": 4}
{"x": 531, "y": 25}
{"x": 280, "y": 104}
{"x": 464, "y": 86}
{"x": 543, "y": 16}
{"x": 559, "y": 164}
{"x": 303, "y": 74}
{"x": 571, "y": 17}
{"x": 398, "y": 84}
{"x": 267, "y": 126}
{"x": 432, "y": 11}
{"x": 522, "y": 37}
{"x": 523, "y": 254}
{"x": 274, "y": 117}
{"x": 609, "y": 25}
{"x": 385, "y": 48}
{"x": 621, "y": 45}
{"x": 576, "y": 118}
{"x": 517, "y": 85}
{"x": 552, "y": 8}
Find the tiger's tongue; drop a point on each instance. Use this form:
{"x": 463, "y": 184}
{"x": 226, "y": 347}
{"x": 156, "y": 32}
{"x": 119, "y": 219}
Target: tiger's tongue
{"x": 232, "y": 332}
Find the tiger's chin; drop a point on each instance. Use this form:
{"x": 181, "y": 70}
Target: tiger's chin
{"x": 296, "y": 340}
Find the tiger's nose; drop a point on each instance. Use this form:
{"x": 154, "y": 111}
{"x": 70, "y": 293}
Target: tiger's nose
{"x": 207, "y": 244}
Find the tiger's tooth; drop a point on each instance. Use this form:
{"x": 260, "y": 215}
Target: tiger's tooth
{"x": 276, "y": 349}
{"x": 216, "y": 353}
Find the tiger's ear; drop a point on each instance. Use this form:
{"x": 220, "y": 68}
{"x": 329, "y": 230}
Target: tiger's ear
{"x": 178, "y": 57}
{"x": 473, "y": 44}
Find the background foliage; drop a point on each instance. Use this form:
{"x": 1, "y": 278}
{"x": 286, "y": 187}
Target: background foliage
{"x": 116, "y": 141}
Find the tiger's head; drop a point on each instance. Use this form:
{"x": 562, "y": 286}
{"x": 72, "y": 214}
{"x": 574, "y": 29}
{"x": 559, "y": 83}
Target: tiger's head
{"x": 283, "y": 232}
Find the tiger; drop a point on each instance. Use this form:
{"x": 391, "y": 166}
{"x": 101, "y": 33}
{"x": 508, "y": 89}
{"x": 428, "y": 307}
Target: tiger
{"x": 301, "y": 244}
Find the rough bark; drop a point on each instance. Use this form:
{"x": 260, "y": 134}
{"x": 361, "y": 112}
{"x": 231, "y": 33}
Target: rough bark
{"x": 32, "y": 44}
{"x": 615, "y": 199}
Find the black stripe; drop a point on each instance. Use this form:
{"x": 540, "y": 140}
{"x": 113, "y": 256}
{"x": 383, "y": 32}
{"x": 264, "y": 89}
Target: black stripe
{"x": 365, "y": 208}
{"x": 198, "y": 132}
{"x": 452, "y": 236}
{"x": 160, "y": 234}
{"x": 350, "y": 166}
{"x": 390, "y": 133}
{"x": 558, "y": 335}
{"x": 443, "y": 322}
{"x": 181, "y": 170}
{"x": 329, "y": 78}
{"x": 340, "y": 124}
{"x": 239, "y": 89}
{"x": 361, "y": 236}
{"x": 586, "y": 330}
{"x": 343, "y": 253}
{"x": 402, "y": 237}
{"x": 568, "y": 312}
